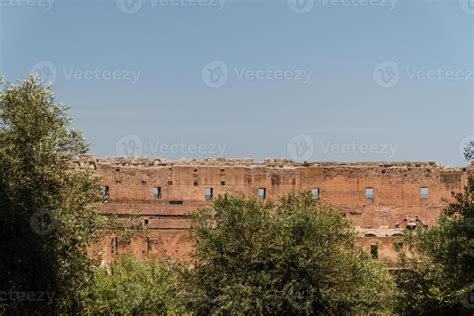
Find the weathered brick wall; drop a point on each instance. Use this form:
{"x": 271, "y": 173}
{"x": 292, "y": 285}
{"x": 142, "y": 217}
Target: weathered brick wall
{"x": 396, "y": 202}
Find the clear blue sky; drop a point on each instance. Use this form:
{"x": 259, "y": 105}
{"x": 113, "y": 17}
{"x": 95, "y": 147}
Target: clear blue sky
{"x": 333, "y": 80}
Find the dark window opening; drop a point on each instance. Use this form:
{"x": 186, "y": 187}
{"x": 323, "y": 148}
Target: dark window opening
{"x": 105, "y": 193}
{"x": 114, "y": 244}
{"x": 146, "y": 222}
{"x": 176, "y": 202}
{"x": 222, "y": 183}
{"x": 262, "y": 193}
{"x": 374, "y": 251}
{"x": 398, "y": 246}
{"x": 209, "y": 194}
{"x": 424, "y": 192}
{"x": 369, "y": 193}
{"x": 170, "y": 182}
{"x": 157, "y": 192}
{"x": 196, "y": 183}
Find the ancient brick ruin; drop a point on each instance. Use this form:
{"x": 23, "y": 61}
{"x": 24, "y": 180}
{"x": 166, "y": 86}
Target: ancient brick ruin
{"x": 380, "y": 199}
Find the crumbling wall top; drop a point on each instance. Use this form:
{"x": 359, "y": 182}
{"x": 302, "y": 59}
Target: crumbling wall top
{"x": 120, "y": 161}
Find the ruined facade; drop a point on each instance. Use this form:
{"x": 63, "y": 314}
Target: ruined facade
{"x": 380, "y": 199}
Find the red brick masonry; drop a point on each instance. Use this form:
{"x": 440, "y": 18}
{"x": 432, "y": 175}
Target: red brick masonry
{"x": 380, "y": 198}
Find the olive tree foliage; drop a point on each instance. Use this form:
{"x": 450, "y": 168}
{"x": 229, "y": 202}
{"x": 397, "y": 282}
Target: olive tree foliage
{"x": 438, "y": 273}
{"x": 49, "y": 212}
{"x": 469, "y": 151}
{"x": 132, "y": 287}
{"x": 290, "y": 257}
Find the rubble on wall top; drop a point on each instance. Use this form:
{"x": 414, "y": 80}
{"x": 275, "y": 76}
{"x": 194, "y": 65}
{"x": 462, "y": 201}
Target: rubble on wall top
{"x": 118, "y": 161}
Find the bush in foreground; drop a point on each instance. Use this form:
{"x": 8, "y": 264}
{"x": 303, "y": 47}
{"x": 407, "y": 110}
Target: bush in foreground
{"x": 132, "y": 287}
{"x": 292, "y": 257}
{"x": 438, "y": 278}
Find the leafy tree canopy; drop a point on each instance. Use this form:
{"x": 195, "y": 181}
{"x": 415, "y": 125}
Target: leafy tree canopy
{"x": 439, "y": 269}
{"x": 49, "y": 210}
{"x": 291, "y": 257}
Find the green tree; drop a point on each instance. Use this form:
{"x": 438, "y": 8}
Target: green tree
{"x": 132, "y": 287}
{"x": 469, "y": 151}
{"x": 49, "y": 210}
{"x": 290, "y": 257}
{"x": 438, "y": 273}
